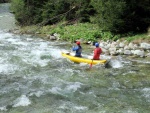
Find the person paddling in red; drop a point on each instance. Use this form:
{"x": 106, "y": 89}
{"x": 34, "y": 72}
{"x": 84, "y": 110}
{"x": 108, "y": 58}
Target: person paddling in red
{"x": 97, "y": 52}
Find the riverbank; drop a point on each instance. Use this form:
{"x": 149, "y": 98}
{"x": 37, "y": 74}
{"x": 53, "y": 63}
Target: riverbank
{"x": 132, "y": 46}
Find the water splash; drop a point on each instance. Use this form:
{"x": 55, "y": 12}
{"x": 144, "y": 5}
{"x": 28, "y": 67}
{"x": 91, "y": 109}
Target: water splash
{"x": 114, "y": 63}
{"x": 3, "y": 108}
{"x": 22, "y": 101}
{"x": 146, "y": 93}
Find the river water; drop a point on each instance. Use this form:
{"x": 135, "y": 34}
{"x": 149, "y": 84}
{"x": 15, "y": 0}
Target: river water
{"x": 35, "y": 78}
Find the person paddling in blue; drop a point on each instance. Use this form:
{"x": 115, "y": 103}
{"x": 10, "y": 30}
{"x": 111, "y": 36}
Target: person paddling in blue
{"x": 78, "y": 49}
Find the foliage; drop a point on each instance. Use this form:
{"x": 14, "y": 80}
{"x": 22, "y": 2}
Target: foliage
{"x": 112, "y": 16}
{"x": 19, "y": 11}
{"x": 136, "y": 37}
{"x": 109, "y": 14}
{"x": 45, "y": 12}
{"x": 53, "y": 11}
{"x": 122, "y": 16}
{"x": 4, "y": 1}
{"x": 85, "y": 31}
{"x": 137, "y": 16}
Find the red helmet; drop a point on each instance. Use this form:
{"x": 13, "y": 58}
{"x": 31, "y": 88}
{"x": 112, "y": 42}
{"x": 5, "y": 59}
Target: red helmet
{"x": 78, "y": 43}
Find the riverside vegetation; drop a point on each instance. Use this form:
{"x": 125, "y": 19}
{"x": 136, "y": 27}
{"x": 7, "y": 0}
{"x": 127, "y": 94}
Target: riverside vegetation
{"x": 89, "y": 21}
{"x": 132, "y": 45}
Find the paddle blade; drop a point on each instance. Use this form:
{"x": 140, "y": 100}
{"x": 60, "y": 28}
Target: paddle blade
{"x": 91, "y": 65}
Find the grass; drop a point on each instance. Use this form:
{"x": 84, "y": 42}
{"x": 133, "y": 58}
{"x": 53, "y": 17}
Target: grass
{"x": 77, "y": 31}
{"x": 138, "y": 37}
{"x": 84, "y": 31}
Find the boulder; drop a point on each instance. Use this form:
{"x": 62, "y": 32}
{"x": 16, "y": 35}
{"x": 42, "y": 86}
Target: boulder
{"x": 145, "y": 45}
{"x": 127, "y": 52}
{"x": 139, "y": 53}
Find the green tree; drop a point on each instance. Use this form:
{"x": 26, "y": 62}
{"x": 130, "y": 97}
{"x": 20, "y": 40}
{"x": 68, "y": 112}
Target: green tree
{"x": 109, "y": 13}
{"x": 137, "y": 16}
{"x": 122, "y": 16}
{"x": 18, "y": 7}
{"x": 51, "y": 11}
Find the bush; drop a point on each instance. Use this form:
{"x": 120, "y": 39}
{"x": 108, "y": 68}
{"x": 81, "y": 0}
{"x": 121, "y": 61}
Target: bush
{"x": 85, "y": 31}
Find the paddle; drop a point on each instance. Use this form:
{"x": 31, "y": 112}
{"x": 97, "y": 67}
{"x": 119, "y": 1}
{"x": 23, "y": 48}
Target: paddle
{"x": 91, "y": 64}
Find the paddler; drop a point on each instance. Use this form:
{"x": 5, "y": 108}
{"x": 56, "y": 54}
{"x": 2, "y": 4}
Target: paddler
{"x": 78, "y": 49}
{"x": 97, "y": 52}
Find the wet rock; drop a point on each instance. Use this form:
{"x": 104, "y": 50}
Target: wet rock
{"x": 147, "y": 55}
{"x": 130, "y": 45}
{"x": 126, "y": 47}
{"x": 37, "y": 32}
{"x": 57, "y": 35}
{"x": 121, "y": 44}
{"x": 127, "y": 52}
{"x": 52, "y": 38}
{"x": 145, "y": 45}
{"x": 120, "y": 51}
{"x": 139, "y": 53}
{"x": 16, "y": 31}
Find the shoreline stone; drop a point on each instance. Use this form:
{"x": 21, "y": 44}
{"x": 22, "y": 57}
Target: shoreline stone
{"x": 122, "y": 48}
{"x": 113, "y": 48}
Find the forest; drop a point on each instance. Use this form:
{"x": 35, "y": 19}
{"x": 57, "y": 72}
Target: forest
{"x": 4, "y": 1}
{"x": 117, "y": 16}
{"x": 106, "y": 18}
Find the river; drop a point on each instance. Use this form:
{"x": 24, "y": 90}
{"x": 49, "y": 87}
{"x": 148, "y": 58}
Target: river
{"x": 35, "y": 78}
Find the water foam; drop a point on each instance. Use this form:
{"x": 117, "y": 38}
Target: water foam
{"x": 55, "y": 90}
{"x": 22, "y": 101}
{"x": 4, "y": 35}
{"x": 3, "y": 108}
{"x": 81, "y": 108}
{"x": 7, "y": 68}
{"x": 75, "y": 108}
{"x": 115, "y": 63}
{"x": 37, "y": 94}
{"x": 70, "y": 87}
{"x": 73, "y": 87}
{"x": 146, "y": 93}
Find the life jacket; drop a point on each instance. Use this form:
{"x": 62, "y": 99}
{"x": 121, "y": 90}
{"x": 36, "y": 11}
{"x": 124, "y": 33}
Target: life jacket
{"x": 78, "y": 50}
{"x": 97, "y": 52}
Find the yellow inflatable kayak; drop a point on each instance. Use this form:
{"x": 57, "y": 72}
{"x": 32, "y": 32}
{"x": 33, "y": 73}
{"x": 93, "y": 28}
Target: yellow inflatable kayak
{"x": 82, "y": 60}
